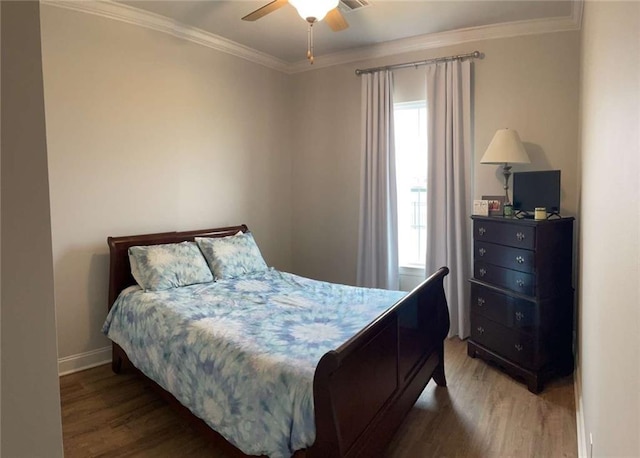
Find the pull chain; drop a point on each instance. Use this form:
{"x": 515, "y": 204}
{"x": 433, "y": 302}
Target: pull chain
{"x": 310, "y": 43}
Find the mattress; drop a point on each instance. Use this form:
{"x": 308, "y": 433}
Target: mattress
{"x": 241, "y": 353}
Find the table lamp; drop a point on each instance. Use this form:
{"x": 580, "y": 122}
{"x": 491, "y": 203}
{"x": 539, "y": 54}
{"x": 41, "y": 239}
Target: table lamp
{"x": 505, "y": 148}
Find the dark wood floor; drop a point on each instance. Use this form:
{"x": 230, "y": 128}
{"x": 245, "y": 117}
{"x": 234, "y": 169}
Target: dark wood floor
{"x": 482, "y": 413}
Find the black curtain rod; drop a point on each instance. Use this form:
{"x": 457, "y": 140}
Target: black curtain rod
{"x": 471, "y": 55}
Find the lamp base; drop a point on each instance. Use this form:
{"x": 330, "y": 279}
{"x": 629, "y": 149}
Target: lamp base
{"x": 506, "y": 171}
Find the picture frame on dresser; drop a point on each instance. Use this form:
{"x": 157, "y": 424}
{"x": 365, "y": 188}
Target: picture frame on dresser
{"x": 481, "y": 207}
{"x": 521, "y": 298}
{"x": 496, "y": 204}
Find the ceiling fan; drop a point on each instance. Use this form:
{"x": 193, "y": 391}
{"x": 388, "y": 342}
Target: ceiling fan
{"x": 311, "y": 11}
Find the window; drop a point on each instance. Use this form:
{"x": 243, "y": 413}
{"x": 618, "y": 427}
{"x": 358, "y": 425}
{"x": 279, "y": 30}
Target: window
{"x": 410, "y": 123}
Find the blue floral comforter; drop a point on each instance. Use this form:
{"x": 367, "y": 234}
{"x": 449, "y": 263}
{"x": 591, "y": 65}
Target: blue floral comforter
{"x": 241, "y": 353}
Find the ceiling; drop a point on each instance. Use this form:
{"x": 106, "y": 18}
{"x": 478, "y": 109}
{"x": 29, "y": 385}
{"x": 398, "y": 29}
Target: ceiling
{"x": 283, "y": 34}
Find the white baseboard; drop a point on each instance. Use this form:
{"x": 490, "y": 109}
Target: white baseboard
{"x": 82, "y": 361}
{"x": 582, "y": 434}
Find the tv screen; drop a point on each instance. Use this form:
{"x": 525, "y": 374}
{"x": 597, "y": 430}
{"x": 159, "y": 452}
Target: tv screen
{"x": 536, "y": 189}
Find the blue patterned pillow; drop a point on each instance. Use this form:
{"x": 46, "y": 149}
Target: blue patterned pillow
{"x": 158, "y": 267}
{"x": 232, "y": 256}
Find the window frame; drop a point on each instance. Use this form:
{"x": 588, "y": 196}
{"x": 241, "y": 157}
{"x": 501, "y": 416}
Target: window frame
{"x": 409, "y": 269}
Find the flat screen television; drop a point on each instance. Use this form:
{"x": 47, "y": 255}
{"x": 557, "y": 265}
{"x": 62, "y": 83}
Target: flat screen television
{"x": 536, "y": 189}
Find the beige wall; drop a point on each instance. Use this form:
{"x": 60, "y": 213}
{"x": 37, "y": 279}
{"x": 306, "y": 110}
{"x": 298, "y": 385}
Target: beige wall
{"x": 144, "y": 128}
{"x": 526, "y": 83}
{"x": 609, "y": 317}
{"x": 30, "y": 417}
{"x": 150, "y": 133}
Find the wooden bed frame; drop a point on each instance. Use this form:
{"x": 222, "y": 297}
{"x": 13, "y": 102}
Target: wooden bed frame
{"x": 363, "y": 389}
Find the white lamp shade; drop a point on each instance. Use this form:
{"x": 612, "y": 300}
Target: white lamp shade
{"x": 505, "y": 148}
{"x": 317, "y": 9}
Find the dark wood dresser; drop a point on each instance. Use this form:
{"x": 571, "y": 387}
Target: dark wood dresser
{"x": 522, "y": 296}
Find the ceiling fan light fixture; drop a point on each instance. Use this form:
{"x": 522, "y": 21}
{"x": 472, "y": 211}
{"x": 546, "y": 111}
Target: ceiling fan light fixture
{"x": 315, "y": 10}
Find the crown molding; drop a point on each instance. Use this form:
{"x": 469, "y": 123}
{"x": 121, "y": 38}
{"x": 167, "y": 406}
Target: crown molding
{"x": 442, "y": 39}
{"x": 577, "y": 7}
{"x": 124, "y": 13}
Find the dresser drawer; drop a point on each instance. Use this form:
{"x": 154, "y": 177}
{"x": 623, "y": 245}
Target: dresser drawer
{"x": 505, "y": 256}
{"x": 513, "y": 312}
{"x": 505, "y": 234}
{"x": 514, "y": 280}
{"x": 512, "y": 345}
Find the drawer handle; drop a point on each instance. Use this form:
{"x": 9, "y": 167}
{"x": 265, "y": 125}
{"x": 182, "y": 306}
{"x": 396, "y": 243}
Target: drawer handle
{"x": 482, "y": 251}
{"x": 482, "y": 272}
{"x": 480, "y": 329}
{"x": 520, "y": 236}
{"x": 519, "y": 316}
{"x": 520, "y": 282}
{"x": 481, "y": 230}
{"x": 481, "y": 301}
{"x": 518, "y": 347}
{"x": 519, "y": 259}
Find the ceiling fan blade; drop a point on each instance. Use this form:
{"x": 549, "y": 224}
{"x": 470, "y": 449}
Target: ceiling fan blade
{"x": 336, "y": 20}
{"x": 266, "y": 9}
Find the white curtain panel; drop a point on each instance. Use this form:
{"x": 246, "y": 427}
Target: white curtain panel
{"x": 378, "y": 238}
{"x": 449, "y": 184}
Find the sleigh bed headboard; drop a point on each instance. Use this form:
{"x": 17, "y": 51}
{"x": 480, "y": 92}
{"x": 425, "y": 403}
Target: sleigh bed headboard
{"x": 119, "y": 268}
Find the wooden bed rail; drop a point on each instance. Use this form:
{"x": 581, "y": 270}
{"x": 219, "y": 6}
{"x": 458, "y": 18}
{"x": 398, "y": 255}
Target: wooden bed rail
{"x": 363, "y": 390}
